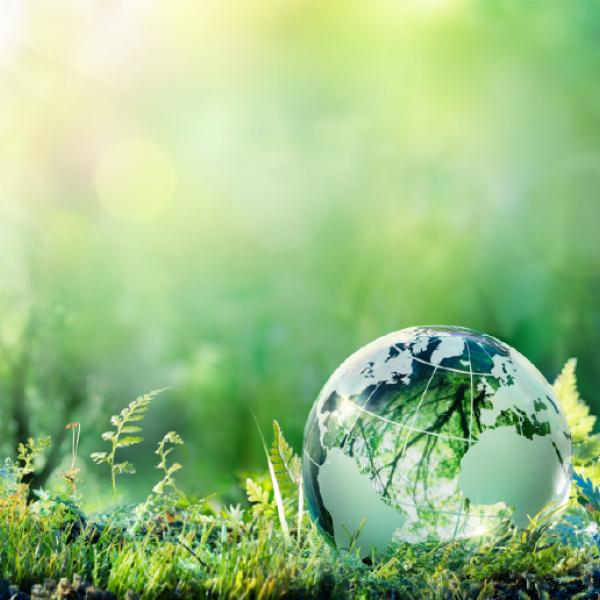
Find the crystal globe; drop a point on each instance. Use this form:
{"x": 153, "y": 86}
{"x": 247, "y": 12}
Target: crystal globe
{"x": 433, "y": 433}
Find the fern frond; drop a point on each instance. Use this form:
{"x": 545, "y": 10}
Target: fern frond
{"x": 589, "y": 493}
{"x": 163, "y": 452}
{"x": 121, "y": 436}
{"x": 29, "y": 451}
{"x": 286, "y": 464}
{"x": 276, "y": 490}
{"x": 580, "y": 421}
{"x": 586, "y": 445}
{"x": 256, "y": 493}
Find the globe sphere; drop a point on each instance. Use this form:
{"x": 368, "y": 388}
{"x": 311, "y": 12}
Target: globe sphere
{"x": 433, "y": 433}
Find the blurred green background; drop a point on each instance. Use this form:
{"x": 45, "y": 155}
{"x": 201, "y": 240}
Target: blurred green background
{"x": 230, "y": 197}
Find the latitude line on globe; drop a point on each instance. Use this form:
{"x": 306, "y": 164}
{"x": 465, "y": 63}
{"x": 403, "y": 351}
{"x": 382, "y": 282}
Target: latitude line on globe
{"x": 445, "y": 436}
{"x": 438, "y": 366}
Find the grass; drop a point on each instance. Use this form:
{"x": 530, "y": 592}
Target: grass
{"x": 162, "y": 551}
{"x": 174, "y": 546}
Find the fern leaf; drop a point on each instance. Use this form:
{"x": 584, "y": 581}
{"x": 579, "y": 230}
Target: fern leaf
{"x": 134, "y": 418}
{"x": 586, "y": 445}
{"x": 256, "y": 494}
{"x": 286, "y": 465}
{"x": 124, "y": 467}
{"x": 576, "y": 410}
{"x": 589, "y": 492}
{"x": 130, "y": 429}
{"x": 173, "y": 438}
{"x": 174, "y": 468}
{"x": 99, "y": 457}
{"x": 129, "y": 440}
{"x": 276, "y": 490}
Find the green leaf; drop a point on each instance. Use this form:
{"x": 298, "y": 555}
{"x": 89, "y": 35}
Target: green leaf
{"x": 286, "y": 464}
{"x": 135, "y": 418}
{"x": 173, "y": 438}
{"x": 586, "y": 445}
{"x": 130, "y": 429}
{"x": 98, "y": 457}
{"x": 255, "y": 493}
{"x": 174, "y": 468}
{"x": 124, "y": 467}
{"x": 134, "y": 412}
{"x": 576, "y": 410}
{"x": 129, "y": 440}
{"x": 276, "y": 491}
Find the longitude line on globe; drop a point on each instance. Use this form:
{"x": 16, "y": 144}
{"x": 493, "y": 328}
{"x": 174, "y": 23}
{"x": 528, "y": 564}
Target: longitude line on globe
{"x": 424, "y": 362}
{"x": 416, "y": 413}
{"x": 486, "y": 353}
{"x": 360, "y": 407}
{"x": 470, "y": 427}
{"x": 472, "y": 395}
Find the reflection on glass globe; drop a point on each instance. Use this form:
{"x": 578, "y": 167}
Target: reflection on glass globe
{"x": 433, "y": 433}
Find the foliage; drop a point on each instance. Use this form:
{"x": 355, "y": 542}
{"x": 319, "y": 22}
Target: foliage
{"x": 275, "y": 483}
{"x": 259, "y": 497}
{"x": 28, "y": 452}
{"x": 168, "y": 481}
{"x": 71, "y": 475}
{"x": 121, "y": 436}
{"x": 286, "y": 465}
{"x": 171, "y": 546}
{"x": 586, "y": 445}
{"x": 287, "y": 470}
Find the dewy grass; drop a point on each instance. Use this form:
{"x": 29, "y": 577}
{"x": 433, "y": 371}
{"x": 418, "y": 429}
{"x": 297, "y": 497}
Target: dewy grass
{"x": 172, "y": 546}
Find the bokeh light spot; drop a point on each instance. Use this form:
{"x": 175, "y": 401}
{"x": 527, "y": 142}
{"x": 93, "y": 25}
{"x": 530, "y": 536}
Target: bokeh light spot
{"x": 135, "y": 180}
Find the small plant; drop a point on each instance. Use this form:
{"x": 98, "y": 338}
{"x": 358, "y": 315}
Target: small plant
{"x": 157, "y": 550}
{"x": 287, "y": 468}
{"x": 586, "y": 445}
{"x": 260, "y": 498}
{"x": 165, "y": 447}
{"x": 275, "y": 482}
{"x": 121, "y": 436}
{"x": 28, "y": 452}
{"x": 72, "y": 474}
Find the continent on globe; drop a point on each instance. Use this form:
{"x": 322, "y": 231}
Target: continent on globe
{"x": 340, "y": 479}
{"x": 517, "y": 476}
{"x": 433, "y": 433}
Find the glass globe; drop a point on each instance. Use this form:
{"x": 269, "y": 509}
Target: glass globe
{"x": 433, "y": 433}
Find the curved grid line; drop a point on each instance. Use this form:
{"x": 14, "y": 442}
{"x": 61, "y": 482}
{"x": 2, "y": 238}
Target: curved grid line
{"x": 451, "y": 368}
{"x": 415, "y": 414}
{"x": 344, "y": 400}
{"x": 471, "y": 373}
{"x": 472, "y": 396}
{"x": 445, "y": 436}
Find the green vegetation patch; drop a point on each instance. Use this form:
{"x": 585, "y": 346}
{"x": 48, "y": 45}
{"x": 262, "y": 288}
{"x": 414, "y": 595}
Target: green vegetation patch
{"x": 172, "y": 545}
